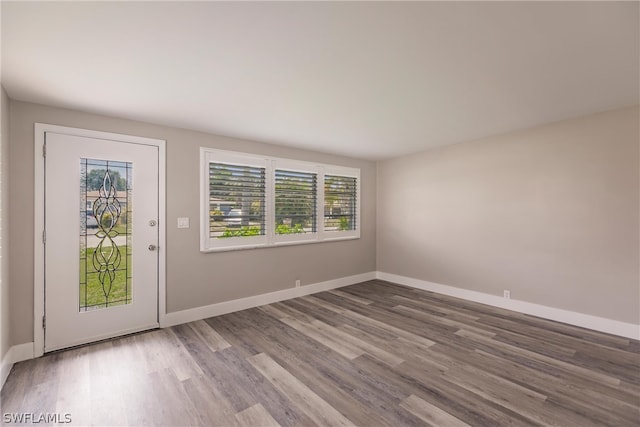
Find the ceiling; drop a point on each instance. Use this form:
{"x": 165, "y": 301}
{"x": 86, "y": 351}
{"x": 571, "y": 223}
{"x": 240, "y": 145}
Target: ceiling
{"x": 367, "y": 80}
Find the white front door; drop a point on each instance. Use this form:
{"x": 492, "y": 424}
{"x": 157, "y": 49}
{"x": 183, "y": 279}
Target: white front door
{"x": 101, "y": 237}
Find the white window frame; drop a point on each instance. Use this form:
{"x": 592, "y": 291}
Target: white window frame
{"x": 293, "y": 166}
{"x": 271, "y": 239}
{"x": 344, "y": 234}
{"x": 208, "y": 243}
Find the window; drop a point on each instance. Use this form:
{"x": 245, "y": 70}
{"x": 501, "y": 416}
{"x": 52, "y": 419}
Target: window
{"x": 236, "y": 200}
{"x": 249, "y": 201}
{"x": 296, "y": 202}
{"x": 234, "y": 193}
{"x": 340, "y": 197}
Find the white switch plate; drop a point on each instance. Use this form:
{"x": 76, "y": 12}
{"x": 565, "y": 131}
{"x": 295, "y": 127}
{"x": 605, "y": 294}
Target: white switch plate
{"x": 183, "y": 222}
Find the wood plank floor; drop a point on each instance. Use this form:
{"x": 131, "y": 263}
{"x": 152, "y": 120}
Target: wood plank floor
{"x": 370, "y": 354}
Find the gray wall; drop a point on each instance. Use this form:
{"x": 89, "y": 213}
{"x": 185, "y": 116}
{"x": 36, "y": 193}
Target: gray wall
{"x": 5, "y": 331}
{"x": 550, "y": 213}
{"x": 194, "y": 279}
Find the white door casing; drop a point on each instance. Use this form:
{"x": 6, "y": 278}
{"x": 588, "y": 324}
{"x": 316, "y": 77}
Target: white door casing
{"x": 58, "y": 275}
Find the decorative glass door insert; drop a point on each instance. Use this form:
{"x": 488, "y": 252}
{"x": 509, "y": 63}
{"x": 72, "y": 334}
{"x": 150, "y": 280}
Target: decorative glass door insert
{"x": 105, "y": 233}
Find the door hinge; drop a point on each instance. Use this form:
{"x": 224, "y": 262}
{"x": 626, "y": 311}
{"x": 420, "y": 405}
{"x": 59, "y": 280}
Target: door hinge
{"x": 44, "y": 322}
{"x": 44, "y": 150}
{"x": 44, "y": 237}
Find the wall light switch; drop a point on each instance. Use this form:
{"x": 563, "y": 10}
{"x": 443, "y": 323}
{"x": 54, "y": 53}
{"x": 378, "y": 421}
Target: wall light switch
{"x": 183, "y": 222}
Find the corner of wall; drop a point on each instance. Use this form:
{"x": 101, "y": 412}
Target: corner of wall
{"x": 5, "y": 331}
{"x": 15, "y": 354}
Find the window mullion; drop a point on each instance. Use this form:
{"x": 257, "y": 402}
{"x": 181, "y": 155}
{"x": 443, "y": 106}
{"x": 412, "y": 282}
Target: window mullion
{"x": 320, "y": 204}
{"x": 271, "y": 202}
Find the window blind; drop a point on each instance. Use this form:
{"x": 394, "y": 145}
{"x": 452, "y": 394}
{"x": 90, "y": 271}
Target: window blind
{"x": 236, "y": 200}
{"x": 295, "y": 202}
{"x": 256, "y": 201}
{"x": 340, "y": 197}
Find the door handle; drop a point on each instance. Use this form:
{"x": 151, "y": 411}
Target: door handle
{"x": 152, "y": 247}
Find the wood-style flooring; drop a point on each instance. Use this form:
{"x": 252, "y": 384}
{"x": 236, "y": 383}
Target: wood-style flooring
{"x": 371, "y": 354}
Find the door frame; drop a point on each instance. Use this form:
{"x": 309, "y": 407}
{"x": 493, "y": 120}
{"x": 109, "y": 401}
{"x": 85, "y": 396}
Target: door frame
{"x": 39, "y": 220}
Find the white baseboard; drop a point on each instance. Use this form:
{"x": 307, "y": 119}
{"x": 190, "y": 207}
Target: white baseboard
{"x": 16, "y": 354}
{"x": 601, "y": 324}
{"x": 25, "y": 351}
{"x": 218, "y": 309}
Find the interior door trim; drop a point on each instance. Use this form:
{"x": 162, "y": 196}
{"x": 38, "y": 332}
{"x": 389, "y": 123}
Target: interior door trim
{"x": 39, "y": 219}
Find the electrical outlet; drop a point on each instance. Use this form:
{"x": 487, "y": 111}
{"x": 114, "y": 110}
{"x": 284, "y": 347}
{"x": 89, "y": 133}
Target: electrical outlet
{"x": 297, "y": 283}
{"x": 507, "y": 294}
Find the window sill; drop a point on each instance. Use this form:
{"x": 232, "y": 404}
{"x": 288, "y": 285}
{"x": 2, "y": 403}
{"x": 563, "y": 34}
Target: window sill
{"x": 278, "y": 244}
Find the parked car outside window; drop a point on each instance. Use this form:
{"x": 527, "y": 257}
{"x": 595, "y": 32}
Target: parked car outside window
{"x": 234, "y": 218}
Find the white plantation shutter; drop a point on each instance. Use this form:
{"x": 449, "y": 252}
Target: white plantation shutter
{"x": 251, "y": 201}
{"x": 340, "y": 203}
{"x": 238, "y": 188}
{"x": 295, "y": 202}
